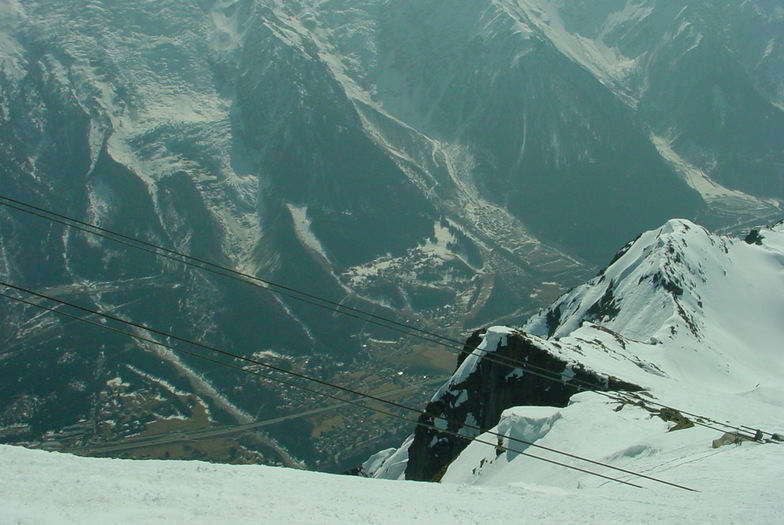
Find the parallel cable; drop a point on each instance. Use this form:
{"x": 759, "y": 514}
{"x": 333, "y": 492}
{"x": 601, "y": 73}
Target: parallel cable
{"x": 447, "y": 343}
{"x": 299, "y": 386}
{"x": 215, "y": 268}
{"x": 330, "y": 385}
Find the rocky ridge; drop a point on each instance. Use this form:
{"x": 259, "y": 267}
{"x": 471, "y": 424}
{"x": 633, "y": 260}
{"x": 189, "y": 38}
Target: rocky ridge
{"x": 678, "y": 309}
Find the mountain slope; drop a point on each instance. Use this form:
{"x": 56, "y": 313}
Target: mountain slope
{"x": 451, "y": 167}
{"x": 689, "y": 316}
{"x": 736, "y": 486}
{"x": 681, "y": 283}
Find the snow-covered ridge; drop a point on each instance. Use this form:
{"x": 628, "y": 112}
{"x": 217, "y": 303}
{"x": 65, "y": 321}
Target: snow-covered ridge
{"x": 695, "y": 306}
{"x": 626, "y": 296}
{"x": 682, "y": 283}
{"x": 692, "y": 317}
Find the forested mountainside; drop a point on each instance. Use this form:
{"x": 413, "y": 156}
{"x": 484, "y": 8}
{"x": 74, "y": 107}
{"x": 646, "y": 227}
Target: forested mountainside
{"x": 449, "y": 165}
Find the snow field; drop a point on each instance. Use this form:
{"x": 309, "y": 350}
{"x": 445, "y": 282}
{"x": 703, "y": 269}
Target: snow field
{"x": 738, "y": 485}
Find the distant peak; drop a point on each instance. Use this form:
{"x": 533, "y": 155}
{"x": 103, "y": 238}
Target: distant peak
{"x": 676, "y": 225}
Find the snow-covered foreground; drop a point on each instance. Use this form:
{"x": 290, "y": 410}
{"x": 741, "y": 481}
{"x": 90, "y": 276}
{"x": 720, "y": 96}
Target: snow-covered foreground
{"x": 737, "y": 485}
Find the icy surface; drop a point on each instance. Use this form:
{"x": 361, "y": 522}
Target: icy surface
{"x": 390, "y": 463}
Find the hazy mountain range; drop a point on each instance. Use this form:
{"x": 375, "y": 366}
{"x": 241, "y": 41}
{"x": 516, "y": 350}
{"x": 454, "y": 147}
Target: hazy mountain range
{"x": 450, "y": 164}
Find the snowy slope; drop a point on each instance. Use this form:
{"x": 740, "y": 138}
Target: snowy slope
{"x": 631, "y": 438}
{"x": 738, "y": 485}
{"x": 680, "y": 290}
{"x": 692, "y": 317}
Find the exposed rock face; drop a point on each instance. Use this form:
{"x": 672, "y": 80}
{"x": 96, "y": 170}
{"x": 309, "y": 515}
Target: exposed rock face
{"x": 484, "y": 386}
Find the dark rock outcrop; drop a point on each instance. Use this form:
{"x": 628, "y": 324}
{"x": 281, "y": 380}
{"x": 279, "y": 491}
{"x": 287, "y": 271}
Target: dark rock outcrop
{"x": 754, "y": 237}
{"x": 492, "y": 387}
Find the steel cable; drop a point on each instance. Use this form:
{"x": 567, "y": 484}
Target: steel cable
{"x": 323, "y": 383}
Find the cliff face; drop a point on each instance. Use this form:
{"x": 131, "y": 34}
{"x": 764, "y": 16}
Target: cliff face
{"x": 486, "y": 383}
